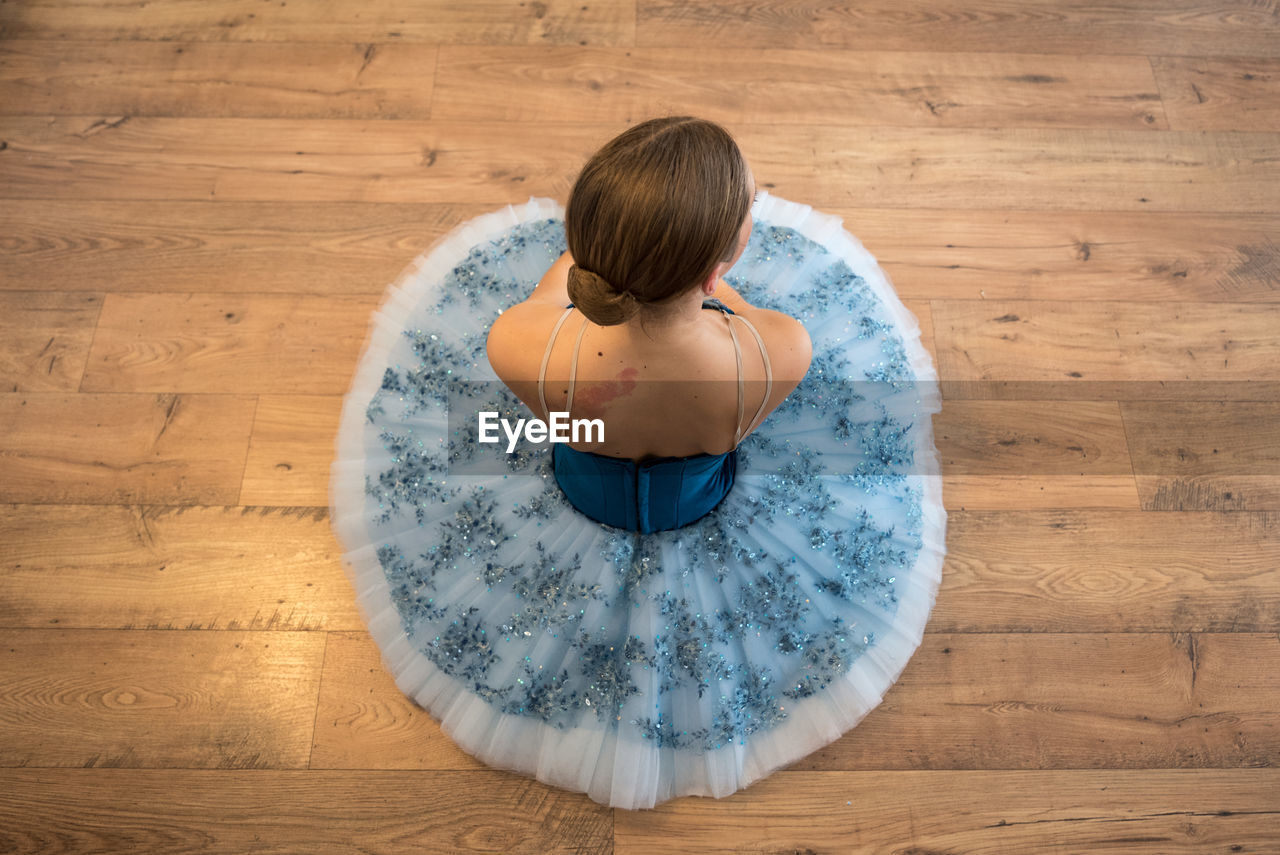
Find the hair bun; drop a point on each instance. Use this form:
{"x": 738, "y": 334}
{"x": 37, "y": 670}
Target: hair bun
{"x": 598, "y": 300}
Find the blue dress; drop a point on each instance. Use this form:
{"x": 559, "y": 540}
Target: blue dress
{"x": 639, "y": 666}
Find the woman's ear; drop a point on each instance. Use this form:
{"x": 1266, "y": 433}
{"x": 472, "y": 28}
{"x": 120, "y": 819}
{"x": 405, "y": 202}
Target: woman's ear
{"x": 709, "y": 286}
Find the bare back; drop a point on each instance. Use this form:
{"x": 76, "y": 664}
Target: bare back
{"x": 650, "y": 401}
{"x": 667, "y": 391}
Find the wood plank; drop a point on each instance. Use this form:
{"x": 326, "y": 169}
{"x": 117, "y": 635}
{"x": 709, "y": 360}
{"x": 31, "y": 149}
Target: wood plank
{"x": 1193, "y": 27}
{"x": 1255, "y": 492}
{"x": 350, "y": 248}
{"x": 827, "y": 166}
{"x": 1027, "y": 492}
{"x": 231, "y": 812}
{"x": 335, "y": 81}
{"x": 1115, "y": 701}
{"x": 298, "y": 160}
{"x": 444, "y": 21}
{"x": 44, "y": 339}
{"x": 1219, "y": 94}
{"x": 1195, "y": 455}
{"x": 230, "y": 247}
{"x": 291, "y": 450}
{"x": 166, "y": 568}
{"x": 828, "y": 87}
{"x": 365, "y": 722}
{"x": 1038, "y": 169}
{"x": 1029, "y": 255}
{"x": 1109, "y": 571}
{"x": 1031, "y": 438}
{"x": 212, "y": 700}
{"x": 1033, "y": 454}
{"x": 105, "y": 449}
{"x": 1107, "y": 350}
{"x": 244, "y": 343}
{"x": 1121, "y": 812}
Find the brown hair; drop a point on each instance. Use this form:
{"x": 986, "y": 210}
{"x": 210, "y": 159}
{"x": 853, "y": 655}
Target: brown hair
{"x": 651, "y": 215}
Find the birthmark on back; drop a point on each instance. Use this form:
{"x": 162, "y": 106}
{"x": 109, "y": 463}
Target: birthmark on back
{"x": 593, "y": 398}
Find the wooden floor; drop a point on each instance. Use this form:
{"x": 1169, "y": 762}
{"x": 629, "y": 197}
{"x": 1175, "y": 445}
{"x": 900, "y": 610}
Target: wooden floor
{"x": 201, "y": 203}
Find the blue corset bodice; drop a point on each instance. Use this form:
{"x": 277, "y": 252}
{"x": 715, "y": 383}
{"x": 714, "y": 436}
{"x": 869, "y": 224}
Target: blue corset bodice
{"x": 653, "y": 495}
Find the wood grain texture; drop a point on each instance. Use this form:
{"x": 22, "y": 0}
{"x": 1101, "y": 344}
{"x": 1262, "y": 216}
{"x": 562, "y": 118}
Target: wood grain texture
{"x": 291, "y": 160}
{"x": 335, "y": 81}
{"x": 1176, "y": 812}
{"x": 1108, "y": 350}
{"x": 443, "y": 21}
{"x": 1033, "y": 454}
{"x": 1206, "y": 455}
{"x": 1080, "y": 170}
{"x": 1068, "y": 255}
{"x": 1193, "y": 27}
{"x": 230, "y": 247}
{"x": 1219, "y": 94}
{"x": 365, "y": 722}
{"x": 167, "y": 568}
{"x": 210, "y": 700}
{"x": 788, "y": 87}
{"x": 245, "y": 343}
{"x": 104, "y": 449}
{"x": 101, "y": 158}
{"x": 1027, "y": 492}
{"x": 1158, "y": 493}
{"x": 357, "y": 248}
{"x": 1099, "y": 570}
{"x": 1031, "y": 438}
{"x": 1072, "y": 701}
{"x": 291, "y": 450}
{"x": 44, "y": 339}
{"x": 415, "y": 813}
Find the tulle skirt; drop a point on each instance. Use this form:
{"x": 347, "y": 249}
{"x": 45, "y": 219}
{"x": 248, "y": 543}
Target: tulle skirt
{"x": 641, "y": 667}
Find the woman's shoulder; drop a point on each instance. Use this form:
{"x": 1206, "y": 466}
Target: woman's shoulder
{"x": 785, "y": 340}
{"x": 517, "y": 333}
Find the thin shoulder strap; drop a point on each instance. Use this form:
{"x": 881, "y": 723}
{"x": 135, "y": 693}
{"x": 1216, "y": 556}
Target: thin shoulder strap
{"x": 768, "y": 379}
{"x": 546, "y": 357}
{"x": 573, "y": 368}
{"x": 737, "y": 356}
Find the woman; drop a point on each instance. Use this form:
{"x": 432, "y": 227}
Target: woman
{"x": 728, "y": 579}
{"x": 656, "y": 218}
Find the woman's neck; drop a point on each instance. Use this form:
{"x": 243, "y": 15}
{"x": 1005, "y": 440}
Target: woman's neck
{"x": 671, "y": 321}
